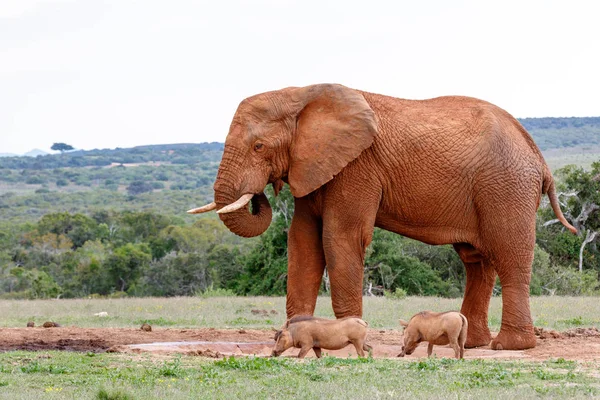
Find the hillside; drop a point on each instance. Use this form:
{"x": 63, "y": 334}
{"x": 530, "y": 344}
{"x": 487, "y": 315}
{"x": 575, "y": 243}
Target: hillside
{"x": 174, "y": 177}
{"x": 165, "y": 178}
{"x": 114, "y": 223}
{"x": 556, "y": 133}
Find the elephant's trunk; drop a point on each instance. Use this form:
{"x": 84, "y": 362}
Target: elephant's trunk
{"x": 231, "y": 195}
{"x": 244, "y": 222}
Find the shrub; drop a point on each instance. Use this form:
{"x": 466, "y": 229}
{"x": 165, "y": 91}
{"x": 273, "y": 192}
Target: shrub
{"x": 397, "y": 294}
{"x": 34, "y": 180}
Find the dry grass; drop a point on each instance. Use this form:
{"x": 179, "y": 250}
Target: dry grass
{"x": 582, "y": 156}
{"x": 221, "y": 312}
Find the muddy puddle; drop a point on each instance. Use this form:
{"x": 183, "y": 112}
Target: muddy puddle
{"x": 263, "y": 349}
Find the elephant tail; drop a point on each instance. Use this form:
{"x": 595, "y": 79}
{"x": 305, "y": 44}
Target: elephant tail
{"x": 550, "y": 189}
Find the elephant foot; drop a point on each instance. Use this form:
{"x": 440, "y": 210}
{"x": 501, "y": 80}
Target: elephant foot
{"x": 478, "y": 340}
{"x": 478, "y": 334}
{"x": 514, "y": 340}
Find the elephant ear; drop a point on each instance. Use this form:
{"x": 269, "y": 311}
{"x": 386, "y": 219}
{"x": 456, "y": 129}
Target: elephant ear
{"x": 334, "y": 125}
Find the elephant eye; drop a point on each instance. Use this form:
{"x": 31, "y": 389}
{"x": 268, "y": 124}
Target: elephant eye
{"x": 258, "y": 146}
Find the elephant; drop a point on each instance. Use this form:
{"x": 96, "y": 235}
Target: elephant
{"x": 448, "y": 170}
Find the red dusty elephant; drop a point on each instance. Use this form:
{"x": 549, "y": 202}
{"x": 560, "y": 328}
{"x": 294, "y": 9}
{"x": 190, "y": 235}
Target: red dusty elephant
{"x": 449, "y": 170}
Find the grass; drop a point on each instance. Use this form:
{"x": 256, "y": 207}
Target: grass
{"x": 222, "y": 312}
{"x": 68, "y": 375}
{"x": 582, "y": 156}
{"x": 63, "y": 375}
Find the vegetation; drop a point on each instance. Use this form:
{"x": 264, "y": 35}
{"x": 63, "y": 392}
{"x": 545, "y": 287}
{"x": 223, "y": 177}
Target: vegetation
{"x": 71, "y": 375}
{"x": 552, "y": 133}
{"x": 113, "y": 223}
{"x": 62, "y": 147}
{"x": 66, "y": 375}
{"x": 216, "y": 308}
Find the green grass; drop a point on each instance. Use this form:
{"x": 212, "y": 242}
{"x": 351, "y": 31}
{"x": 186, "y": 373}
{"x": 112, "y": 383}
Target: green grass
{"x": 222, "y": 312}
{"x": 68, "y": 375}
{"x": 63, "y": 375}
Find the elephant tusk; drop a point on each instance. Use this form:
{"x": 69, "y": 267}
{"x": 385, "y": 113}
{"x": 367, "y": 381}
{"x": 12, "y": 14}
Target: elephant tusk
{"x": 241, "y": 202}
{"x": 203, "y": 209}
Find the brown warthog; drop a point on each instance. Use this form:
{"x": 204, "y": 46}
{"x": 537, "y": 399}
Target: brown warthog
{"x": 448, "y": 327}
{"x": 306, "y": 332}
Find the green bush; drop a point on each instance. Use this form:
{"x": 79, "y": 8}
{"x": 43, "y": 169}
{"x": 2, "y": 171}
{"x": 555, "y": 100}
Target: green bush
{"x": 35, "y": 180}
{"x": 218, "y": 292}
{"x": 397, "y": 294}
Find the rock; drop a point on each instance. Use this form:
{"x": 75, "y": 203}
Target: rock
{"x": 146, "y": 328}
{"x": 30, "y": 324}
{"x": 50, "y": 324}
{"x": 274, "y": 312}
{"x": 242, "y": 331}
{"x": 101, "y": 314}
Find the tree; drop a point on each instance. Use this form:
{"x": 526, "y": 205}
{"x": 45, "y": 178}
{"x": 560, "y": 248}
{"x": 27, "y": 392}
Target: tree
{"x": 78, "y": 228}
{"x": 138, "y": 187}
{"x": 388, "y": 268}
{"x": 124, "y": 266}
{"x": 62, "y": 147}
{"x": 581, "y": 199}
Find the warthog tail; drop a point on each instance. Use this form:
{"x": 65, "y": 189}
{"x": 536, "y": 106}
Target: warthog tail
{"x": 363, "y": 323}
{"x": 462, "y": 337}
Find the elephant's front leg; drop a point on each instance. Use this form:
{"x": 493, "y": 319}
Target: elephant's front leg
{"x": 481, "y": 277}
{"x": 306, "y": 261}
{"x": 345, "y": 246}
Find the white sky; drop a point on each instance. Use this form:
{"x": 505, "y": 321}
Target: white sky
{"x": 105, "y": 74}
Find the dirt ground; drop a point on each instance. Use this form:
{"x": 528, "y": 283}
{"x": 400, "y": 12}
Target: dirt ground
{"x": 575, "y": 344}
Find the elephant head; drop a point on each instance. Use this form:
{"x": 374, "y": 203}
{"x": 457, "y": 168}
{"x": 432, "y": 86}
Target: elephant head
{"x": 303, "y": 136}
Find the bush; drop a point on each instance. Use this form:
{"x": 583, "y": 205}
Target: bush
{"x": 62, "y": 182}
{"x": 139, "y": 187}
{"x": 34, "y": 180}
{"x": 387, "y": 266}
{"x": 397, "y": 294}
{"x": 218, "y": 292}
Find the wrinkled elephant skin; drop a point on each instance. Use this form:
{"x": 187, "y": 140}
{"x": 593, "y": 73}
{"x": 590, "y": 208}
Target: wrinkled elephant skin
{"x": 449, "y": 170}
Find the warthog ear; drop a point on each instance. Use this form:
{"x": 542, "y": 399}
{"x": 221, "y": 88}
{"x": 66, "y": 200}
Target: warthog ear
{"x": 277, "y": 334}
{"x": 403, "y": 322}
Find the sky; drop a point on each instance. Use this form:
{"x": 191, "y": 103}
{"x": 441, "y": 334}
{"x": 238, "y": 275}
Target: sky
{"x": 121, "y": 73}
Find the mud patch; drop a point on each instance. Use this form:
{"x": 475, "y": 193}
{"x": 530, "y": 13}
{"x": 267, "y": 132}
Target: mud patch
{"x": 547, "y": 333}
{"x": 574, "y": 344}
{"x": 582, "y": 332}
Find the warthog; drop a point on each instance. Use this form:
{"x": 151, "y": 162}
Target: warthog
{"x": 444, "y": 328}
{"x": 307, "y": 333}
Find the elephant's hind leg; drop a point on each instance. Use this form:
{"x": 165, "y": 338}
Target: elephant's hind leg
{"x": 511, "y": 254}
{"x": 478, "y": 291}
{"x": 306, "y": 261}
{"x": 516, "y": 332}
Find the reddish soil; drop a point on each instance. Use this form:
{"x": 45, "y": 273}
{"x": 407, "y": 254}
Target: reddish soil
{"x": 575, "y": 344}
